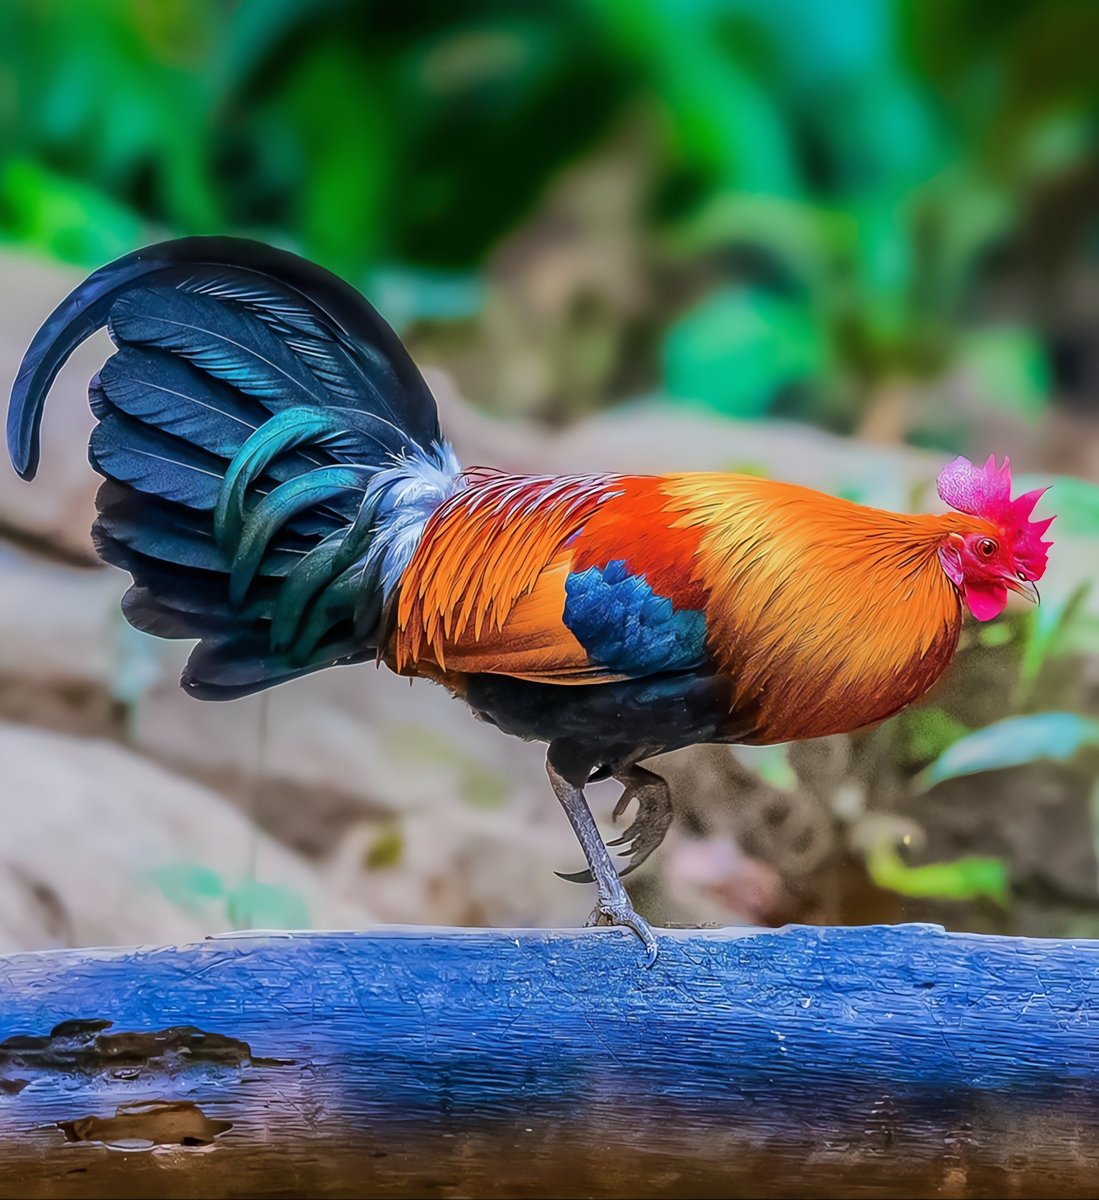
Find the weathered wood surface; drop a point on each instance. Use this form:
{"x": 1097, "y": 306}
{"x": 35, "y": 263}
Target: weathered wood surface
{"x": 803, "y": 1062}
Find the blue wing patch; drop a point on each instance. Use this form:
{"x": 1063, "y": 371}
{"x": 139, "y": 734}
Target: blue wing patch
{"x": 624, "y": 625}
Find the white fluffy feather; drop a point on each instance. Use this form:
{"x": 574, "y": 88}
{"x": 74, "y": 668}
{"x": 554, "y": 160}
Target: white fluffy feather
{"x": 405, "y": 495}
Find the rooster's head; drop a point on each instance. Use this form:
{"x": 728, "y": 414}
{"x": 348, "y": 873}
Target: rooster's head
{"x": 1004, "y": 550}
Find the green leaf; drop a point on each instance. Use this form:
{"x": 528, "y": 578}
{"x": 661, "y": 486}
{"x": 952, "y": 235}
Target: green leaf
{"x": 739, "y": 349}
{"x": 1014, "y": 742}
{"x": 386, "y": 850}
{"x": 928, "y": 732}
{"x": 800, "y": 238}
{"x": 726, "y": 126}
{"x": 64, "y": 218}
{"x": 188, "y": 885}
{"x": 255, "y": 905}
{"x": 1046, "y": 627}
{"x": 968, "y": 878}
{"x": 886, "y": 264}
{"x": 342, "y": 214}
{"x": 967, "y": 214}
{"x": 1008, "y": 368}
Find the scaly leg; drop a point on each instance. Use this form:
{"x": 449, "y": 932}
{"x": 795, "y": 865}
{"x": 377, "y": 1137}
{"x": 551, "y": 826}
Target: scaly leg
{"x": 654, "y": 816}
{"x": 613, "y": 906}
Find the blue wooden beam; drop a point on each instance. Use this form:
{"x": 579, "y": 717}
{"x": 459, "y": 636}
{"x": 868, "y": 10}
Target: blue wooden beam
{"x": 801, "y": 1062}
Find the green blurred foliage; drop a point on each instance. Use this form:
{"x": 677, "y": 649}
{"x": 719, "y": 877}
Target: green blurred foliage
{"x": 798, "y": 208}
{"x": 970, "y": 878}
{"x": 926, "y": 732}
{"x": 740, "y": 349}
{"x": 249, "y": 904}
{"x": 1077, "y": 502}
{"x": 888, "y": 153}
{"x": 359, "y": 132}
{"x": 824, "y": 183}
{"x": 1014, "y": 742}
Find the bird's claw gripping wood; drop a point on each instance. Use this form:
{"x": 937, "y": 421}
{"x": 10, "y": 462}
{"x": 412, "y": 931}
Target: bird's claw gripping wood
{"x": 625, "y": 915}
{"x": 647, "y": 830}
{"x": 613, "y": 906}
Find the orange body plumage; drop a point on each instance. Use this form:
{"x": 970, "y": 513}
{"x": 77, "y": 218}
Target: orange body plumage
{"x": 823, "y": 614}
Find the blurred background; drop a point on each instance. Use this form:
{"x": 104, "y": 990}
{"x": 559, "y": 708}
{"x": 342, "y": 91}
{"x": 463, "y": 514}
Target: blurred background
{"x": 833, "y": 243}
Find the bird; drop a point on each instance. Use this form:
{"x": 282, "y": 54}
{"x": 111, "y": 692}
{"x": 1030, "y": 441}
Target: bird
{"x": 278, "y": 487}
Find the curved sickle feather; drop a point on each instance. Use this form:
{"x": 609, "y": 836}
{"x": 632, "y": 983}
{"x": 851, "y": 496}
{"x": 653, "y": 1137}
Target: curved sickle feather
{"x": 86, "y": 309}
{"x": 273, "y": 511}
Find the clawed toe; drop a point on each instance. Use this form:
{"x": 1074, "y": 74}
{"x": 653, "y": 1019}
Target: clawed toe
{"x": 623, "y": 914}
{"x": 654, "y": 816}
{"x": 647, "y": 830}
{"x": 584, "y": 876}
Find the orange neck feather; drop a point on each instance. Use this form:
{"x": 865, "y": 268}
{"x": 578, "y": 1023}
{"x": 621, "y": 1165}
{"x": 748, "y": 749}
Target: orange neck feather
{"x": 828, "y": 615}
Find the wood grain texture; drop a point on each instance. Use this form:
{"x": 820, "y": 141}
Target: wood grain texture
{"x": 801, "y": 1062}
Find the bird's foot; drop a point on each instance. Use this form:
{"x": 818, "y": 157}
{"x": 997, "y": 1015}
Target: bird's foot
{"x": 613, "y": 906}
{"x": 622, "y": 913}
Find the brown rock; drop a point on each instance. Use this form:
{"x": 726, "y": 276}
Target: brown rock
{"x": 103, "y": 847}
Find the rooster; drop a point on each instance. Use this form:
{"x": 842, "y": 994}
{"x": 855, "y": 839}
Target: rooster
{"x": 277, "y": 485}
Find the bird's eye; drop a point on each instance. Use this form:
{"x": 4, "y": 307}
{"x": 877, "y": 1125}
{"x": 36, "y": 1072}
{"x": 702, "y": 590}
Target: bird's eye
{"x": 986, "y": 547}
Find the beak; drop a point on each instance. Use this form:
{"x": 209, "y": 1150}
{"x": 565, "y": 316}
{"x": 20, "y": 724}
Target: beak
{"x": 1024, "y": 588}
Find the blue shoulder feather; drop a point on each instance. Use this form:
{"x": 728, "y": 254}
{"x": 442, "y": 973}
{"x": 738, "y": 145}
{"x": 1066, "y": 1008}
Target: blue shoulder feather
{"x": 626, "y": 626}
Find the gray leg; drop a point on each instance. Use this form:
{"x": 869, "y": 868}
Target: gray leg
{"x": 645, "y": 834}
{"x": 613, "y": 906}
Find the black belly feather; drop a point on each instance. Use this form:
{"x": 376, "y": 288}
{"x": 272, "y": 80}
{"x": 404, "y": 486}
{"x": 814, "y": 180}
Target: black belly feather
{"x": 613, "y": 724}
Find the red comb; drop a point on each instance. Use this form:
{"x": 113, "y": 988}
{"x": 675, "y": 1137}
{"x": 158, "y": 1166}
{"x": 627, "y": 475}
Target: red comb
{"x": 986, "y": 492}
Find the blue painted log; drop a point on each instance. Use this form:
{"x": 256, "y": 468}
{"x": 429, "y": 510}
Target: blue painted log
{"x": 802, "y": 1062}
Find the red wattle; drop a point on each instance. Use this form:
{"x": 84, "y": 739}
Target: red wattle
{"x": 986, "y": 600}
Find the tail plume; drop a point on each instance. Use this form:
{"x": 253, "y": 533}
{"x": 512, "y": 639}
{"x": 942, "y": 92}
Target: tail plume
{"x": 270, "y": 453}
